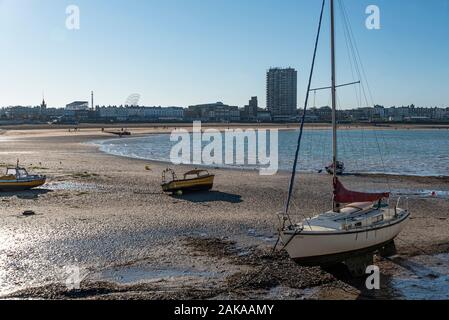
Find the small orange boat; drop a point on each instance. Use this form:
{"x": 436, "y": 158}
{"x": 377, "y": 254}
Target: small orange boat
{"x": 195, "y": 180}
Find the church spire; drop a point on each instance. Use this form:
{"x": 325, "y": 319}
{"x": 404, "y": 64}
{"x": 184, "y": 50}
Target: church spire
{"x": 43, "y": 104}
{"x": 43, "y": 98}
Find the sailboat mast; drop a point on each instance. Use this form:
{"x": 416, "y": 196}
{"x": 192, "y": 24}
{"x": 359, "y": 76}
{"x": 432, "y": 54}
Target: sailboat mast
{"x": 334, "y": 97}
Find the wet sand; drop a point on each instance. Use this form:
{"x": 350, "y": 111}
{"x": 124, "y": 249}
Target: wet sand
{"x": 107, "y": 216}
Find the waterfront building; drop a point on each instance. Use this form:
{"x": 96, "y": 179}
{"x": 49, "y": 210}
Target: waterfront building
{"x": 264, "y": 116}
{"x": 77, "y": 111}
{"x": 137, "y": 113}
{"x": 250, "y": 111}
{"x": 213, "y": 112}
{"x": 282, "y": 88}
{"x": 77, "y": 106}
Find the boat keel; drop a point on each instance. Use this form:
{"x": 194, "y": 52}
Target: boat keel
{"x": 357, "y": 265}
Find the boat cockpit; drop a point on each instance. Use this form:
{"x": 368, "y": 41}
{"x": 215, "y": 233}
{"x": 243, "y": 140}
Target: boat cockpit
{"x": 17, "y": 172}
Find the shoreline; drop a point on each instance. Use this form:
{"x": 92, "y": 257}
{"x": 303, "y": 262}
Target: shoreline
{"x": 107, "y": 215}
{"x": 283, "y": 171}
{"x": 281, "y": 126}
{"x": 98, "y": 144}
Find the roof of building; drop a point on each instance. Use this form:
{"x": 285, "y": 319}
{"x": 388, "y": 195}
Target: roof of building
{"x": 76, "y": 103}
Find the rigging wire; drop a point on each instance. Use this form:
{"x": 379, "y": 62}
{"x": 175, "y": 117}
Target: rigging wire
{"x": 286, "y": 216}
{"x": 356, "y": 53}
{"x": 360, "y": 70}
{"x": 351, "y": 64}
{"x": 295, "y": 164}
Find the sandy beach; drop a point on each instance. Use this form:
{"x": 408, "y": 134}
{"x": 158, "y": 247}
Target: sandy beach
{"x": 107, "y": 216}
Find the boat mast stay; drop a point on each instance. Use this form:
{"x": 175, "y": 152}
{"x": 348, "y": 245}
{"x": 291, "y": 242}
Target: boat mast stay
{"x": 298, "y": 147}
{"x": 335, "y": 205}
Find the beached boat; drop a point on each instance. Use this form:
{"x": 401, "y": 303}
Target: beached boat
{"x": 340, "y": 168}
{"x": 17, "y": 179}
{"x": 359, "y": 223}
{"x": 195, "y": 180}
{"x": 120, "y": 133}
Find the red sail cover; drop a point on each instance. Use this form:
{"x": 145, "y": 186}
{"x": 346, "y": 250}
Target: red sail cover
{"x": 343, "y": 195}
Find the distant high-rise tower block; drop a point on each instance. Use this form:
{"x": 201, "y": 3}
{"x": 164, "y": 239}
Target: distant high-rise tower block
{"x": 282, "y": 88}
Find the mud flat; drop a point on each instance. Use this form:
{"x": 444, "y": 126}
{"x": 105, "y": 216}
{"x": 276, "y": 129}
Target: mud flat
{"x": 106, "y": 217}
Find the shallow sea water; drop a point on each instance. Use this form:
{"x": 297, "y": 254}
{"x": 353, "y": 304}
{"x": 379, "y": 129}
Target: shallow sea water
{"x": 403, "y": 152}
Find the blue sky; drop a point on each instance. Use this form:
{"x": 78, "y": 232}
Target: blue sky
{"x": 183, "y": 52}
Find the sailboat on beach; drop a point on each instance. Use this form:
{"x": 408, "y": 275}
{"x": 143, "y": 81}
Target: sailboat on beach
{"x": 359, "y": 223}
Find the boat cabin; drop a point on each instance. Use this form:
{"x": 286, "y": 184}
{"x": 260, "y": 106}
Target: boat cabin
{"x": 194, "y": 174}
{"x": 17, "y": 172}
{"x": 351, "y": 217}
{"x": 18, "y": 179}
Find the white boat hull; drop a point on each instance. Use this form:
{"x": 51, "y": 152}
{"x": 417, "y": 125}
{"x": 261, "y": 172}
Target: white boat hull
{"x": 318, "y": 248}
